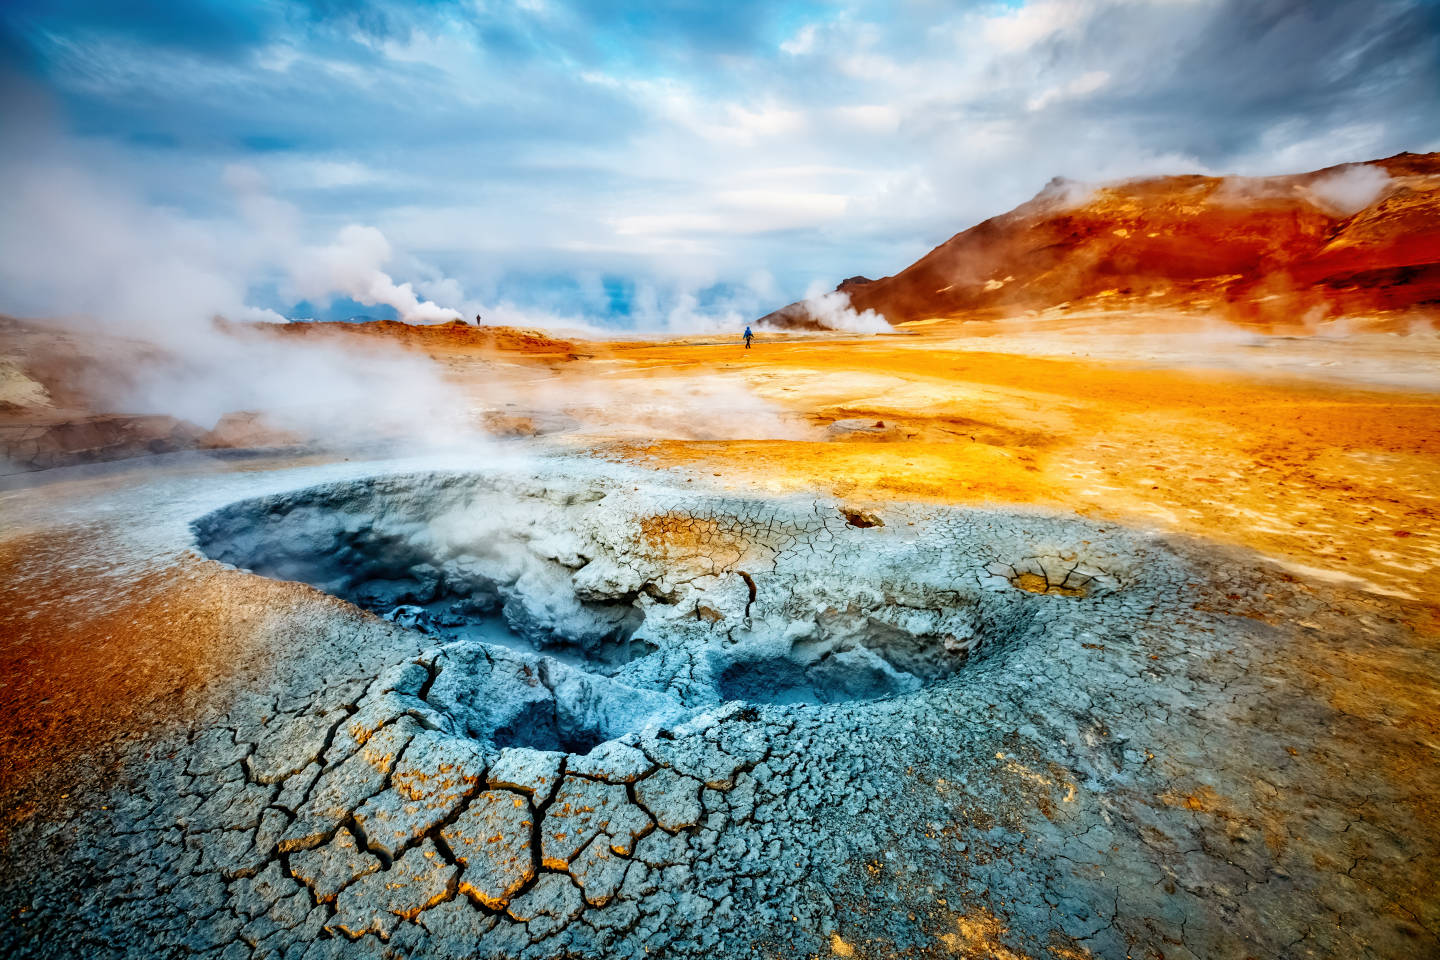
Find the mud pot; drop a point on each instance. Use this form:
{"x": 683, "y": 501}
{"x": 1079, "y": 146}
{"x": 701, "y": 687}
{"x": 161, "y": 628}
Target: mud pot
{"x": 575, "y": 711}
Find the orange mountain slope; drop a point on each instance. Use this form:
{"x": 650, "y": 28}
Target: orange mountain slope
{"x": 1356, "y": 238}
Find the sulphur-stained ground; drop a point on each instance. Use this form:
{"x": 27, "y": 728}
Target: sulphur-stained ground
{"x": 858, "y": 648}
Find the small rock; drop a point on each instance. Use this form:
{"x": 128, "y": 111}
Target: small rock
{"x": 855, "y": 427}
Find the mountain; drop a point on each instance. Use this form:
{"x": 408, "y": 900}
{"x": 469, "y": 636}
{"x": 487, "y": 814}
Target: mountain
{"x": 1355, "y": 238}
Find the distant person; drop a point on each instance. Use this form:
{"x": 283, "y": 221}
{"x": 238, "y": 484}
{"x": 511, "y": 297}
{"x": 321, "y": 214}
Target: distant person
{"x": 748, "y": 337}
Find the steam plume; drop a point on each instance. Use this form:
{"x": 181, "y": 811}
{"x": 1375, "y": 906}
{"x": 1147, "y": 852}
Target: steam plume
{"x": 82, "y": 247}
{"x": 1351, "y": 189}
{"x": 351, "y": 265}
{"x": 832, "y": 310}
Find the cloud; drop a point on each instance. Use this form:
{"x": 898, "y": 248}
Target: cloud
{"x": 742, "y": 211}
{"x": 1026, "y": 26}
{"x": 802, "y": 43}
{"x": 532, "y": 155}
{"x": 1084, "y": 84}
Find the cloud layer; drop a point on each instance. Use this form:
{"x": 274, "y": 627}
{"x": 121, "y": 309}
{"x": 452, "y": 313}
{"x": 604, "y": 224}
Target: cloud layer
{"x": 639, "y": 164}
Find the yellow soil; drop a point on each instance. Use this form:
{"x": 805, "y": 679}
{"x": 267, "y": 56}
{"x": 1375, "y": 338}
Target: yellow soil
{"x": 1335, "y": 481}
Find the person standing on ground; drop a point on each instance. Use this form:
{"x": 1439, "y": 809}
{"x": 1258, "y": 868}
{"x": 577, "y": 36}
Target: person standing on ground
{"x": 748, "y": 336}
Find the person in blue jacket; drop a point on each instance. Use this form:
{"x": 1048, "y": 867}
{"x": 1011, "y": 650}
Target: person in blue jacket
{"x": 748, "y": 335}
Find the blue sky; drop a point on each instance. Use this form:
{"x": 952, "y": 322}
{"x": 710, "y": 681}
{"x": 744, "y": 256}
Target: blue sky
{"x": 671, "y": 165}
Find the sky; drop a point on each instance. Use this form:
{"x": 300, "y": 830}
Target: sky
{"x": 664, "y": 165}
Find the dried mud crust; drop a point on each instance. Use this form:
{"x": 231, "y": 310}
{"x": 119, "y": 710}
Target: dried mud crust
{"x": 1035, "y": 736}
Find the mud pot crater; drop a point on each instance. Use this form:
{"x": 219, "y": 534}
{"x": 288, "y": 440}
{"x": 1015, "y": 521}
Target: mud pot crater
{"x": 610, "y": 672}
{"x": 596, "y": 714}
{"x": 589, "y": 588}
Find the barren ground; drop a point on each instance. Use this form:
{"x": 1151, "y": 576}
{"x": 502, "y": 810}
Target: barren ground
{"x": 1322, "y": 453}
{"x": 1282, "y": 661}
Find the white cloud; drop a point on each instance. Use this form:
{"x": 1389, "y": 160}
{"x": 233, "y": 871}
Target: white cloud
{"x": 1082, "y": 85}
{"x": 802, "y": 43}
{"x": 869, "y": 117}
{"x": 1020, "y": 29}
{"x": 1292, "y": 146}
{"x": 584, "y": 147}
{"x": 734, "y": 212}
{"x": 326, "y": 174}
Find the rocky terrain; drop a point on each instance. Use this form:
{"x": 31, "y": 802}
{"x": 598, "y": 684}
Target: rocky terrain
{"x": 1350, "y": 240}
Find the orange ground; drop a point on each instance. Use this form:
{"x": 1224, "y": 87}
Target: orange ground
{"x": 1334, "y": 480}
{"x": 91, "y": 653}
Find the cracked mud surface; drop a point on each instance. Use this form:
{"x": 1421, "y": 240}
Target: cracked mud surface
{"x": 767, "y": 731}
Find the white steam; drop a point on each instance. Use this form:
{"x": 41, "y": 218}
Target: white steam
{"x": 832, "y": 310}
{"x": 351, "y": 266}
{"x": 78, "y": 246}
{"x": 1350, "y": 189}
{"x": 349, "y": 393}
{"x": 1065, "y": 194}
{"x": 74, "y": 243}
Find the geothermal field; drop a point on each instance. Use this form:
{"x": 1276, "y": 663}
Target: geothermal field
{"x": 1088, "y": 609}
{"x": 662, "y": 480}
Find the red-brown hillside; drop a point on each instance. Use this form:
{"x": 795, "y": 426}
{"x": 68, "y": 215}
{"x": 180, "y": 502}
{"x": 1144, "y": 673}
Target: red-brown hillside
{"x": 1344, "y": 240}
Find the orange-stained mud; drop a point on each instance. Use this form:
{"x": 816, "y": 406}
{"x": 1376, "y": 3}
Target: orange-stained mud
{"x": 1178, "y": 422}
{"x": 93, "y": 654}
{"x": 1336, "y": 481}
